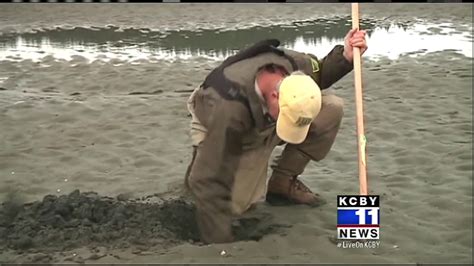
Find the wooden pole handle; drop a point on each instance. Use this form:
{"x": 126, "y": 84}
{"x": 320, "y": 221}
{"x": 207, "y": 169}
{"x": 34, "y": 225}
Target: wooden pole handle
{"x": 361, "y": 140}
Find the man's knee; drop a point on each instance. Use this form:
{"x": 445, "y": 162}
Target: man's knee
{"x": 333, "y": 105}
{"x": 329, "y": 117}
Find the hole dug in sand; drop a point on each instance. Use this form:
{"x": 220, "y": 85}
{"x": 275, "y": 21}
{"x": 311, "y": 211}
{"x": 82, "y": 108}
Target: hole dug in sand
{"x": 87, "y": 219}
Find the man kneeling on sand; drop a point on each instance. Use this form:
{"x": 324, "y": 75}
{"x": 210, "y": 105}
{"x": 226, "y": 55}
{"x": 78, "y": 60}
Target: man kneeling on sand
{"x": 258, "y": 99}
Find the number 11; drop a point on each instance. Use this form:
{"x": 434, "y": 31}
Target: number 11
{"x": 372, "y": 212}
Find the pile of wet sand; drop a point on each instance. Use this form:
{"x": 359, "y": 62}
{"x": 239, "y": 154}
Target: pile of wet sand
{"x": 87, "y": 219}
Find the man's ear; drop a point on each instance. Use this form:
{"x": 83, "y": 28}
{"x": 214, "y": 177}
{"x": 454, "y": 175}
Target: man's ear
{"x": 275, "y": 94}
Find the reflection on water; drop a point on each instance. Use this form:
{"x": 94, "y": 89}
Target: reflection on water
{"x": 317, "y": 37}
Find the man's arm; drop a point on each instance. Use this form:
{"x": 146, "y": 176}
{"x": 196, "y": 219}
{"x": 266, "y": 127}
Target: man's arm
{"x": 332, "y": 67}
{"x": 337, "y": 63}
{"x": 213, "y": 170}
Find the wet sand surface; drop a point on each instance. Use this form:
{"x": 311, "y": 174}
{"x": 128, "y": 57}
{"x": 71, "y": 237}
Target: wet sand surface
{"x": 77, "y": 220}
{"x": 93, "y": 153}
{"x": 16, "y": 18}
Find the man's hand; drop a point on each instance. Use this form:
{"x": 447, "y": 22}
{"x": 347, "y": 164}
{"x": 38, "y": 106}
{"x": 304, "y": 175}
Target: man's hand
{"x": 354, "y": 38}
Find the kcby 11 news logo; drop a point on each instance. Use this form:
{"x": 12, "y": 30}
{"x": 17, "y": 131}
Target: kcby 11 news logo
{"x": 358, "y": 217}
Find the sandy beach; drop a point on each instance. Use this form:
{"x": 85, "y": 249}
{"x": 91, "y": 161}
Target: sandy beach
{"x": 106, "y": 142}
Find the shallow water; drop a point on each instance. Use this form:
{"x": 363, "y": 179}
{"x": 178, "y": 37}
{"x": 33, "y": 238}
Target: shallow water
{"x": 317, "y": 37}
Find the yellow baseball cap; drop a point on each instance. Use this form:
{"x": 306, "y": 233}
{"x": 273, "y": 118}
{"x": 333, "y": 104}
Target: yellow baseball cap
{"x": 300, "y": 103}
